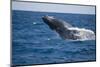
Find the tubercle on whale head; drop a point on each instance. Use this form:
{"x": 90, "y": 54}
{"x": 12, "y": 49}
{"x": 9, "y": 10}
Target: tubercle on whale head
{"x": 46, "y": 19}
{"x": 46, "y": 16}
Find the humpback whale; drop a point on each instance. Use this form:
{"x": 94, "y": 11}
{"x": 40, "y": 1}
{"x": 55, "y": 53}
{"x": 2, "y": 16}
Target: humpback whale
{"x": 67, "y": 31}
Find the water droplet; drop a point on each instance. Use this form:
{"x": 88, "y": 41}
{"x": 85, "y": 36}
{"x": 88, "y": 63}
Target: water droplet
{"x": 48, "y": 39}
{"x": 34, "y": 23}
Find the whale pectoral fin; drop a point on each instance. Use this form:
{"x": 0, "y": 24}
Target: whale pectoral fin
{"x": 62, "y": 32}
{"x": 68, "y": 35}
{"x": 63, "y": 35}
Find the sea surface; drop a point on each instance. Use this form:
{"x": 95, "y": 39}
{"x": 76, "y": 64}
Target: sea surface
{"x": 33, "y": 42}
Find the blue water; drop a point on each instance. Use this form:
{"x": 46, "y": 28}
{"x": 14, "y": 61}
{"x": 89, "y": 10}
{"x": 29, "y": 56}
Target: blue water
{"x": 33, "y": 42}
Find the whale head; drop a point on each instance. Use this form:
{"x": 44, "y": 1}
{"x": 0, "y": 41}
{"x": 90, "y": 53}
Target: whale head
{"x": 53, "y": 22}
{"x": 49, "y": 20}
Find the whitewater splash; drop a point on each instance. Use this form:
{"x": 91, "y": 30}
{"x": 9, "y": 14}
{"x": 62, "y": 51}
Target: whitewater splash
{"x": 84, "y": 34}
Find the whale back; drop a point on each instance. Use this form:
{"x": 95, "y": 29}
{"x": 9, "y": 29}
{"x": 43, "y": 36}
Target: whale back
{"x": 61, "y": 23}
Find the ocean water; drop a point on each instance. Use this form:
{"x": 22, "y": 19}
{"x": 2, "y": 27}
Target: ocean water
{"x": 33, "y": 42}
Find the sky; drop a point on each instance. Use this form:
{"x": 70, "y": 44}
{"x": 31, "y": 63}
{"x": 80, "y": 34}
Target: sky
{"x": 58, "y": 8}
